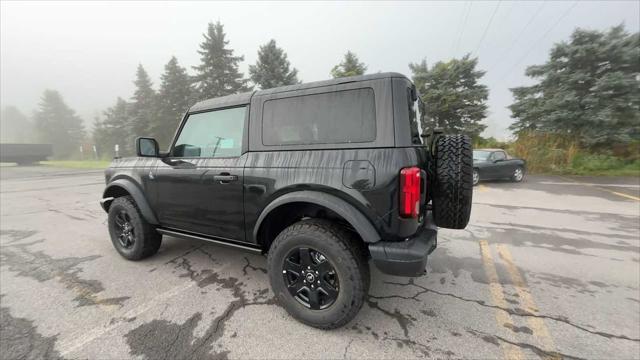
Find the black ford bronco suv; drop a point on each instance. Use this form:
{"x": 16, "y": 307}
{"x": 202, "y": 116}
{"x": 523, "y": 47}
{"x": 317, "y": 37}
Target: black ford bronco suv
{"x": 320, "y": 176}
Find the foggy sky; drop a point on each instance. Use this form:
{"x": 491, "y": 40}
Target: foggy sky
{"x": 89, "y": 51}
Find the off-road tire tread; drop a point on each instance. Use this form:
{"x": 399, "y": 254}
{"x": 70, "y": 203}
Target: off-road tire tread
{"x": 453, "y": 191}
{"x": 348, "y": 244}
{"x": 151, "y": 239}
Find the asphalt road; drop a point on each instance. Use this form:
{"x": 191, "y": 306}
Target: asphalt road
{"x": 549, "y": 267}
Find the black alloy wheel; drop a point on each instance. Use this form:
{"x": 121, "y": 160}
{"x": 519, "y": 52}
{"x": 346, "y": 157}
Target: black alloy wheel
{"x": 319, "y": 273}
{"x": 125, "y": 230}
{"x": 132, "y": 236}
{"x": 310, "y": 278}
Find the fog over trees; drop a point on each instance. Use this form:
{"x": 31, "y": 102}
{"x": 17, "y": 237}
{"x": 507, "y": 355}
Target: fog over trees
{"x": 218, "y": 73}
{"x": 57, "y": 124}
{"x": 272, "y": 69}
{"x": 350, "y": 66}
{"x": 15, "y": 126}
{"x": 587, "y": 88}
{"x": 454, "y": 98}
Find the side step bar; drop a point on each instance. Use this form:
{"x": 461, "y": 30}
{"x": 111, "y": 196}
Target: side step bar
{"x": 181, "y": 235}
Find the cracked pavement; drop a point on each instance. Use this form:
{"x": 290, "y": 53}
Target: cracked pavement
{"x": 548, "y": 268}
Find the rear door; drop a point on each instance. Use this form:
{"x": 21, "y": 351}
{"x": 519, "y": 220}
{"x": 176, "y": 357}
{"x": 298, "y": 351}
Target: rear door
{"x": 200, "y": 185}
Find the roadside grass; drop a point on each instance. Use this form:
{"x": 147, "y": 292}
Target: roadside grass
{"x": 604, "y": 165}
{"x": 77, "y": 164}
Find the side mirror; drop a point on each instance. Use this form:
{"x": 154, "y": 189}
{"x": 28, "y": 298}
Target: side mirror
{"x": 147, "y": 147}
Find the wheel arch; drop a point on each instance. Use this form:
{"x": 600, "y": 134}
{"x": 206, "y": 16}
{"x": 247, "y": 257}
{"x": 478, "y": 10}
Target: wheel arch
{"x": 281, "y": 212}
{"x": 126, "y": 187}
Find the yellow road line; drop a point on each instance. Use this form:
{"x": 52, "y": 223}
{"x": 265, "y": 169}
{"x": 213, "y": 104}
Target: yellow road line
{"x": 497, "y": 294}
{"x": 540, "y": 331}
{"x": 482, "y": 188}
{"x": 623, "y": 195}
{"x": 603, "y": 189}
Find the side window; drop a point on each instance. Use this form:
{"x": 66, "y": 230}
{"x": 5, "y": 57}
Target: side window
{"x": 347, "y": 116}
{"x": 499, "y": 155}
{"x": 212, "y": 134}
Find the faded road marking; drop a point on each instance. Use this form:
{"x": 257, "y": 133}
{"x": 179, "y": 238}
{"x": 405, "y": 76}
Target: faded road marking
{"x": 599, "y": 187}
{"x": 624, "y": 195}
{"x": 497, "y": 294}
{"x": 628, "y": 186}
{"x": 482, "y": 188}
{"x": 540, "y": 330}
{"x": 87, "y": 294}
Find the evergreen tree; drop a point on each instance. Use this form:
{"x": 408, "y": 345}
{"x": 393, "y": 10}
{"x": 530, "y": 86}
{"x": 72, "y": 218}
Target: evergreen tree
{"x": 143, "y": 107}
{"x": 272, "y": 69}
{"x": 57, "y": 124}
{"x": 114, "y": 129}
{"x": 100, "y": 138}
{"x": 175, "y": 96}
{"x": 350, "y": 66}
{"x": 15, "y": 126}
{"x": 588, "y": 89}
{"x": 218, "y": 73}
{"x": 454, "y": 100}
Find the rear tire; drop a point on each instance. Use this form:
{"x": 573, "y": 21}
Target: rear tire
{"x": 295, "y": 281}
{"x": 132, "y": 236}
{"x": 518, "y": 174}
{"x": 453, "y": 188}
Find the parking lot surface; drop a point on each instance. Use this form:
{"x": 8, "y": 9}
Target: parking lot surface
{"x": 546, "y": 268}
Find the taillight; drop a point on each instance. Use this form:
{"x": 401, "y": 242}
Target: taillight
{"x": 410, "y": 192}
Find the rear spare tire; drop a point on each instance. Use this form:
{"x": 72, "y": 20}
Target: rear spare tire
{"x": 453, "y": 185}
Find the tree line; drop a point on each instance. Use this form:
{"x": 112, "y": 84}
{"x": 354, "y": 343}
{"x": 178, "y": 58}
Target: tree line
{"x": 588, "y": 89}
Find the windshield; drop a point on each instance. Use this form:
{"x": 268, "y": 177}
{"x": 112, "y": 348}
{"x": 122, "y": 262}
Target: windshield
{"x": 481, "y": 155}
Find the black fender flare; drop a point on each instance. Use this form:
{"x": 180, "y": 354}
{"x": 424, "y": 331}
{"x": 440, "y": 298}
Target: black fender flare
{"x": 352, "y": 215}
{"x": 136, "y": 193}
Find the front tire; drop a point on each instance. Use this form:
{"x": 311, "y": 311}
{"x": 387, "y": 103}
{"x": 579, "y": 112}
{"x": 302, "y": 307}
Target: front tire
{"x": 319, "y": 273}
{"x": 132, "y": 236}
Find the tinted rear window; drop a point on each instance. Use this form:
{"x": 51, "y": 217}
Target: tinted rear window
{"x": 330, "y": 118}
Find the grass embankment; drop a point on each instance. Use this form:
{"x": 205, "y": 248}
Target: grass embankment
{"x": 554, "y": 154}
{"x": 78, "y": 164}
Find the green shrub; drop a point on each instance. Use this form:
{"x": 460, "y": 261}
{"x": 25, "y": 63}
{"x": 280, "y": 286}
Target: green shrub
{"x": 553, "y": 153}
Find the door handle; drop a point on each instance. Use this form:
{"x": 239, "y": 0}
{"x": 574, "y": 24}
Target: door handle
{"x": 225, "y": 178}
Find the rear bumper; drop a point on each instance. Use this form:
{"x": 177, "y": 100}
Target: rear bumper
{"x": 406, "y": 258}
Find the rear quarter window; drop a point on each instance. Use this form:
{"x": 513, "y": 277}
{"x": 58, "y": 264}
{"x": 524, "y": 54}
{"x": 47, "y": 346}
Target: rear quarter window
{"x": 346, "y": 116}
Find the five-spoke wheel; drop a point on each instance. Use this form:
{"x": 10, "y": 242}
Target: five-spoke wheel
{"x": 310, "y": 278}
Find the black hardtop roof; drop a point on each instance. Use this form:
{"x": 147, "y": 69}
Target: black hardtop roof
{"x": 245, "y": 98}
